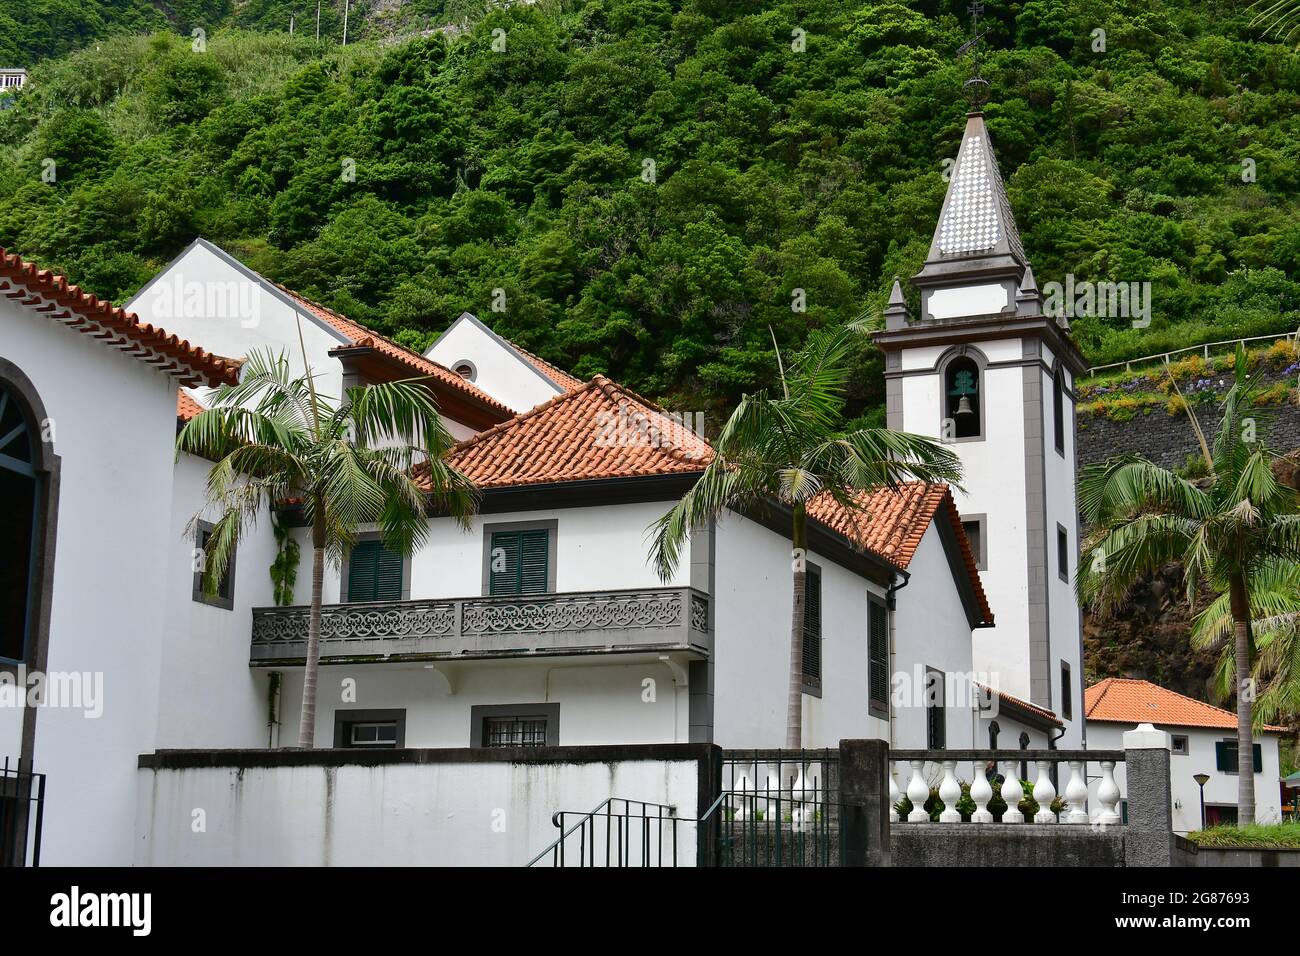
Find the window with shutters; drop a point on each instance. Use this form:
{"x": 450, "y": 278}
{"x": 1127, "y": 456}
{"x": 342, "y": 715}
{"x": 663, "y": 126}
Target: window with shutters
{"x": 878, "y": 659}
{"x": 1225, "y": 756}
{"x": 519, "y": 562}
{"x": 812, "y": 631}
{"x": 374, "y": 572}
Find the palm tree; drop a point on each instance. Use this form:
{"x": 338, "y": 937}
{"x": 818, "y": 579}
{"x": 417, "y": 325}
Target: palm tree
{"x": 1239, "y": 527}
{"x": 789, "y": 448}
{"x": 275, "y": 439}
{"x": 1275, "y": 634}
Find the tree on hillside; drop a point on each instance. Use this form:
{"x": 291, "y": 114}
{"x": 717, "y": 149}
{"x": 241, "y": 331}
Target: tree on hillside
{"x": 787, "y": 447}
{"x": 1240, "y": 527}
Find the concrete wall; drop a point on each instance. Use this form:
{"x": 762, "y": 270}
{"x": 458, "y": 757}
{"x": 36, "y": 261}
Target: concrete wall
{"x": 113, "y": 420}
{"x": 1220, "y": 790}
{"x": 403, "y": 808}
{"x": 998, "y": 845}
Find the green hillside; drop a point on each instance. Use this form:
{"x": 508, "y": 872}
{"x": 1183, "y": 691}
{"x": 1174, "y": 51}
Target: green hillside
{"x": 774, "y": 169}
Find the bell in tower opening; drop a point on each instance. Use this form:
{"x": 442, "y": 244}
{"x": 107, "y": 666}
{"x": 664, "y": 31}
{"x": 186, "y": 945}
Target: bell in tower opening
{"x": 962, "y": 409}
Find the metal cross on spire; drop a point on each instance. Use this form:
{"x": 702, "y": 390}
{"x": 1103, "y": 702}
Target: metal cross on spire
{"x": 976, "y": 87}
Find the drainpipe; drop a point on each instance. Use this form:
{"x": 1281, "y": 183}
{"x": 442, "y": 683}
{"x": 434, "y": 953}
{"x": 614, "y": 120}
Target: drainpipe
{"x": 891, "y": 603}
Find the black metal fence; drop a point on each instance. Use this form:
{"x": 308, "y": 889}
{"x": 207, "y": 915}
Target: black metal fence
{"x": 618, "y": 833}
{"x": 22, "y": 806}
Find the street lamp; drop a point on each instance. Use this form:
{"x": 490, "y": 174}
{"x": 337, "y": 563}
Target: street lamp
{"x": 1201, "y": 780}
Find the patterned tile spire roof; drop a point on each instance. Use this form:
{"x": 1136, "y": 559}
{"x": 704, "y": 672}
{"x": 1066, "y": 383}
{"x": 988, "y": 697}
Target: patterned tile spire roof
{"x": 976, "y": 219}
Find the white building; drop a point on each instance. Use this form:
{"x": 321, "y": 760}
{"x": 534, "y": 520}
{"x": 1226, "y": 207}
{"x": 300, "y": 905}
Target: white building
{"x": 981, "y": 366}
{"x": 12, "y": 78}
{"x": 1203, "y": 740}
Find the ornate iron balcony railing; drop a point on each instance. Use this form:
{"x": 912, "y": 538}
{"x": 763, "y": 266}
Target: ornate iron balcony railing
{"x": 653, "y": 619}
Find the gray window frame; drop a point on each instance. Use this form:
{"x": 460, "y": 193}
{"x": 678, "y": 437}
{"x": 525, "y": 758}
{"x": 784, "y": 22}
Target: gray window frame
{"x": 550, "y": 525}
{"x": 982, "y": 558}
{"x": 479, "y": 714}
{"x": 941, "y": 707}
{"x": 1058, "y": 408}
{"x": 1067, "y": 691}
{"x": 815, "y": 690}
{"x": 981, "y": 365}
{"x": 199, "y": 595}
{"x": 877, "y": 708}
{"x": 1062, "y": 569}
{"x": 1173, "y": 745}
{"x": 344, "y": 598}
{"x": 345, "y": 718}
{"x": 473, "y": 369}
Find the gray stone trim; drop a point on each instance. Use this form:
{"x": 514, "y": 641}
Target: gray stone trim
{"x": 347, "y": 563}
{"x": 201, "y": 596}
{"x": 1040, "y": 676}
{"x": 551, "y": 525}
{"x": 982, "y": 558}
{"x": 894, "y": 403}
{"x": 48, "y": 467}
{"x": 891, "y": 376}
{"x": 344, "y": 717}
{"x": 1063, "y": 572}
{"x": 983, "y": 328}
{"x": 479, "y": 713}
{"x": 700, "y": 674}
{"x": 941, "y": 367}
{"x": 473, "y": 369}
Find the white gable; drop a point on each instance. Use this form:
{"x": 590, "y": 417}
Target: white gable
{"x": 497, "y": 367}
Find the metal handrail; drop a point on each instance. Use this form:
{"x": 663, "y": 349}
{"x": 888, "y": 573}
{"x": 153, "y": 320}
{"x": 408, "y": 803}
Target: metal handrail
{"x": 556, "y": 849}
{"x": 1204, "y": 348}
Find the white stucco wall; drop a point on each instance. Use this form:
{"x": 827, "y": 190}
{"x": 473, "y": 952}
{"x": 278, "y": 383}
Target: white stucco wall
{"x": 494, "y": 813}
{"x": 114, "y": 422}
{"x": 209, "y": 697}
{"x": 1220, "y": 789}
{"x": 501, "y": 371}
{"x": 994, "y": 486}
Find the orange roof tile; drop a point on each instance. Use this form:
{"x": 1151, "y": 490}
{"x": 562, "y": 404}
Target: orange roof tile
{"x": 1129, "y": 701}
{"x": 891, "y": 523}
{"x": 186, "y": 407}
{"x": 1013, "y": 701}
{"x": 52, "y": 295}
{"x": 600, "y": 430}
{"x": 362, "y": 337}
{"x": 556, "y": 374}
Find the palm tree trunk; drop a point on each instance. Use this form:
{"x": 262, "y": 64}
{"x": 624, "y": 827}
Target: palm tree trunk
{"x": 794, "y": 699}
{"x": 307, "y": 723}
{"x": 1245, "y": 698}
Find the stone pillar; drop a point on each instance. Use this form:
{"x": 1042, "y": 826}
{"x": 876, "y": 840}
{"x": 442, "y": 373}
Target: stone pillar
{"x": 864, "y": 803}
{"x": 1149, "y": 836}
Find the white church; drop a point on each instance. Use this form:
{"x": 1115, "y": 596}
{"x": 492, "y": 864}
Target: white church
{"x": 578, "y": 643}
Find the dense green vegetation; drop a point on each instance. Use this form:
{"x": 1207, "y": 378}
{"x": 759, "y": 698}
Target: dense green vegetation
{"x": 1266, "y": 836}
{"x": 775, "y": 169}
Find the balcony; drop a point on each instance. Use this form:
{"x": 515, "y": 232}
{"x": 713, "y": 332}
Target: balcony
{"x": 480, "y": 628}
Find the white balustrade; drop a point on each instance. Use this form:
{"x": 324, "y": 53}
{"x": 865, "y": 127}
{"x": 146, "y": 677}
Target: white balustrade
{"x": 981, "y": 792}
{"x": 894, "y": 795}
{"x": 918, "y": 793}
{"x": 1012, "y": 794}
{"x": 1108, "y": 796}
{"x": 1044, "y": 793}
{"x": 950, "y": 793}
{"x": 1076, "y": 794}
{"x": 743, "y": 797}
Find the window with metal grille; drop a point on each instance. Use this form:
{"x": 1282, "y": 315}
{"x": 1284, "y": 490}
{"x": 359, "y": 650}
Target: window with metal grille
{"x": 518, "y": 562}
{"x": 878, "y": 659}
{"x": 812, "y": 629}
{"x": 522, "y": 731}
{"x": 374, "y": 572}
{"x": 935, "y": 711}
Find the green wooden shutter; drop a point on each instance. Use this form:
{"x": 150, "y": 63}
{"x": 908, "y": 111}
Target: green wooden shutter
{"x": 812, "y": 628}
{"x": 519, "y": 562}
{"x": 374, "y": 573}
{"x": 1225, "y": 756}
{"x": 878, "y": 654}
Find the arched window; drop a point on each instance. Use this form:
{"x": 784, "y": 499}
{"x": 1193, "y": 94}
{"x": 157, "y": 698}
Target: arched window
{"x": 994, "y": 730}
{"x": 963, "y": 403}
{"x": 20, "y": 492}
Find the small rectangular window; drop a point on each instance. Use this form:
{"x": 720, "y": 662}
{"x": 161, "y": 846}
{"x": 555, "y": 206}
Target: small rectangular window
{"x": 935, "y": 711}
{"x": 1067, "y": 693}
{"x": 1058, "y": 409}
{"x": 225, "y": 593}
{"x": 374, "y": 572}
{"x": 1178, "y": 744}
{"x": 974, "y": 530}
{"x": 812, "y": 630}
{"x": 514, "y": 732}
{"x": 1225, "y": 756}
{"x": 877, "y": 659}
{"x": 370, "y": 729}
{"x": 514, "y": 725}
{"x": 1062, "y": 554}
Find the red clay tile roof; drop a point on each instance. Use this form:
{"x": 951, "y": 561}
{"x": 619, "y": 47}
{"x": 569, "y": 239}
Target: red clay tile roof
{"x": 556, "y": 374}
{"x": 1129, "y": 701}
{"x": 186, "y": 407}
{"x": 1019, "y": 702}
{"x": 891, "y": 523}
{"x": 362, "y": 337}
{"x": 51, "y": 294}
{"x": 600, "y": 430}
